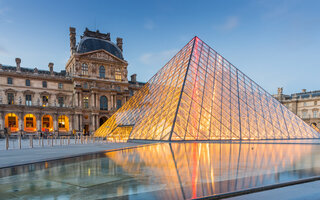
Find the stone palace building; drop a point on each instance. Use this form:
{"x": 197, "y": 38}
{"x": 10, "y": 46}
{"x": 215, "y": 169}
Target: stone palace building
{"x": 92, "y": 87}
{"x": 305, "y": 104}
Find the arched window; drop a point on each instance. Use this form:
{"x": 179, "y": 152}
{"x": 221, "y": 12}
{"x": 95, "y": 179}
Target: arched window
{"x": 11, "y": 121}
{"x": 102, "y": 72}
{"x": 103, "y": 103}
{"x": 84, "y": 69}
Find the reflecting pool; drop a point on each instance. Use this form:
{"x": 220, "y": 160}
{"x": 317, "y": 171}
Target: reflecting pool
{"x": 163, "y": 171}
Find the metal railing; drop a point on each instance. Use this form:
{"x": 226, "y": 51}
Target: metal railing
{"x": 34, "y": 141}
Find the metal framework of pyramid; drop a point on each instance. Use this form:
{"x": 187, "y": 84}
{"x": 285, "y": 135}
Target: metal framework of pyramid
{"x": 199, "y": 95}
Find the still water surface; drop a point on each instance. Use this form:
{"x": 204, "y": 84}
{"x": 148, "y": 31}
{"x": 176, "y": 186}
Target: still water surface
{"x": 163, "y": 171}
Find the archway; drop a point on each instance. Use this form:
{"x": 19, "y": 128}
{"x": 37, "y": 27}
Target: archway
{"x": 47, "y": 123}
{"x": 103, "y": 119}
{"x": 63, "y": 123}
{"x": 11, "y": 121}
{"x": 30, "y": 123}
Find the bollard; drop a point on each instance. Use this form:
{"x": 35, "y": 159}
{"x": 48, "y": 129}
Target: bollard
{"x": 51, "y": 140}
{"x": 69, "y": 140}
{"x": 7, "y": 142}
{"x": 42, "y": 141}
{"x": 55, "y": 139}
{"x": 19, "y": 141}
{"x": 93, "y": 140}
{"x": 60, "y": 141}
{"x": 75, "y": 139}
{"x": 31, "y": 141}
{"x": 48, "y": 140}
{"x": 39, "y": 140}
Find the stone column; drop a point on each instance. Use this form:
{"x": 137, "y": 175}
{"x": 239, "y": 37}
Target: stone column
{"x": 92, "y": 127}
{"x": 80, "y": 99}
{"x": 111, "y": 105}
{"x": 71, "y": 123}
{"x": 97, "y": 122}
{"x": 92, "y": 100}
{"x": 76, "y": 122}
{"x": 97, "y": 101}
{"x": 76, "y": 99}
{"x": 1, "y": 120}
{"x": 81, "y": 124}
{"x": 38, "y": 115}
{"x": 21, "y": 121}
{"x": 55, "y": 123}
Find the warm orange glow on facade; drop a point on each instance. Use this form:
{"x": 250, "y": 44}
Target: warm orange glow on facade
{"x": 199, "y": 95}
{"x": 30, "y": 123}
{"x": 11, "y": 121}
{"x": 47, "y": 123}
{"x": 63, "y": 123}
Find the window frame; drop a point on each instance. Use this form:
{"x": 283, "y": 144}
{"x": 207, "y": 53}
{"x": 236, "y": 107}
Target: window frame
{"x": 44, "y": 84}
{"x": 102, "y": 72}
{"x": 28, "y": 82}
{"x": 9, "y": 80}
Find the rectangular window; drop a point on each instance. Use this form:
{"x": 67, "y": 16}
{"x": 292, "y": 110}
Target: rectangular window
{"x": 28, "y": 100}
{"x": 45, "y": 101}
{"x": 12, "y": 121}
{"x": 119, "y": 104}
{"x": 10, "y": 98}
{"x": 84, "y": 69}
{"x": 44, "y": 84}
{"x": 60, "y": 101}
{"x": 86, "y": 102}
{"x": 131, "y": 93}
{"x": 46, "y": 122}
{"x": 315, "y": 114}
{"x": 62, "y": 122}
{"x": 28, "y": 82}
{"x": 29, "y": 122}
{"x": 60, "y": 85}
{"x": 9, "y": 81}
{"x": 304, "y": 114}
{"x": 117, "y": 75}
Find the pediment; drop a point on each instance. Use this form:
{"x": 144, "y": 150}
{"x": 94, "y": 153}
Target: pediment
{"x": 101, "y": 55}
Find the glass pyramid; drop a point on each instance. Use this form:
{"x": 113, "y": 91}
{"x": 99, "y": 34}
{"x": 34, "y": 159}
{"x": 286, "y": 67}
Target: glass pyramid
{"x": 199, "y": 95}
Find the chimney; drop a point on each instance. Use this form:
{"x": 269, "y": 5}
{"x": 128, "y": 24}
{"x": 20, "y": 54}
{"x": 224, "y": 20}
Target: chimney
{"x": 50, "y": 65}
{"x": 18, "y": 62}
{"x": 72, "y": 40}
{"x": 280, "y": 91}
{"x": 304, "y": 90}
{"x": 134, "y": 78}
{"x": 119, "y": 43}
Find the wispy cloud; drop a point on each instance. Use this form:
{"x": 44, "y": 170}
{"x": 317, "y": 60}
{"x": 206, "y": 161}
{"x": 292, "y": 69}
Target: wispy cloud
{"x": 3, "y": 51}
{"x": 229, "y": 24}
{"x": 158, "y": 57}
{"x": 4, "y": 15}
{"x": 149, "y": 24}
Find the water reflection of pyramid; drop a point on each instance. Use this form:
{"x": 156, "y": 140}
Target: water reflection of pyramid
{"x": 199, "y": 95}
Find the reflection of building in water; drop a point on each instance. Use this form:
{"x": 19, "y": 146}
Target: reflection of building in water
{"x": 164, "y": 171}
{"x": 198, "y": 95}
{"x": 92, "y": 87}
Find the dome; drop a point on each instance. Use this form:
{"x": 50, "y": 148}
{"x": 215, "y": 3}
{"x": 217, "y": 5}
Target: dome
{"x": 88, "y": 44}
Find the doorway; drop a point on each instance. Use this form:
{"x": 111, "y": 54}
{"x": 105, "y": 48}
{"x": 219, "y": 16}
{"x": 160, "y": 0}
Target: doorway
{"x": 86, "y": 129}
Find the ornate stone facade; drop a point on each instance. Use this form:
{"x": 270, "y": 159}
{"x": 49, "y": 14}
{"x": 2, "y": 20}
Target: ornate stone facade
{"x": 304, "y": 104}
{"x": 92, "y": 87}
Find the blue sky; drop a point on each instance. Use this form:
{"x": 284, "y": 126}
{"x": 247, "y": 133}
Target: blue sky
{"x": 275, "y": 42}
